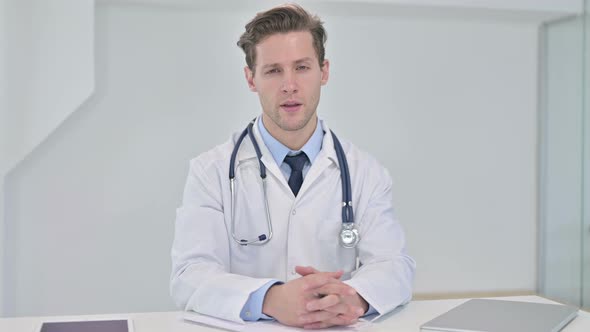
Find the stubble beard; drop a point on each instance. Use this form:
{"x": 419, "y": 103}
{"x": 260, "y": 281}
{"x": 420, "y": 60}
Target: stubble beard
{"x": 285, "y": 125}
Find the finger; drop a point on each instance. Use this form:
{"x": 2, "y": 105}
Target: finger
{"x": 323, "y": 303}
{"x": 338, "y": 320}
{"x": 305, "y": 270}
{"x": 341, "y": 308}
{"x": 320, "y": 279}
{"x": 338, "y": 288}
{"x": 343, "y": 320}
{"x": 317, "y": 325}
{"x": 348, "y": 310}
{"x": 316, "y": 316}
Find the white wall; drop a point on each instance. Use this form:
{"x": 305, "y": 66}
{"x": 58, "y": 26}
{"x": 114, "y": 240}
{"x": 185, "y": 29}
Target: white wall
{"x": 537, "y": 5}
{"x": 50, "y": 66}
{"x": 448, "y": 105}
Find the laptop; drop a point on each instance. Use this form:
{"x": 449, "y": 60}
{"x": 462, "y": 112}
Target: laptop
{"x": 483, "y": 315}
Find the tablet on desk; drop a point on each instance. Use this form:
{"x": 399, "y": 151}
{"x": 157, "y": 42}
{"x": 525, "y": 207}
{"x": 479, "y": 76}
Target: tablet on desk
{"x": 94, "y": 325}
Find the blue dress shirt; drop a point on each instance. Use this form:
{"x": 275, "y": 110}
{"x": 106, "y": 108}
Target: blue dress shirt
{"x": 279, "y": 151}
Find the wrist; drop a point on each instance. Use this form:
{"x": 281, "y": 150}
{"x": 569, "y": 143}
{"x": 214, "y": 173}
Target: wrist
{"x": 269, "y": 300}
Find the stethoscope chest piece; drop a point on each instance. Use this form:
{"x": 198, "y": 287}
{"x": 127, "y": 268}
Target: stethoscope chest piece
{"x": 349, "y": 235}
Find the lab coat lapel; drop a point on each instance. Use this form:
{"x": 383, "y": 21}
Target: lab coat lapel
{"x": 325, "y": 158}
{"x": 247, "y": 152}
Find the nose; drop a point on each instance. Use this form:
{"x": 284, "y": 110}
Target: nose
{"x": 289, "y": 83}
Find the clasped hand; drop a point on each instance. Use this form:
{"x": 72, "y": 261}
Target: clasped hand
{"x": 316, "y": 300}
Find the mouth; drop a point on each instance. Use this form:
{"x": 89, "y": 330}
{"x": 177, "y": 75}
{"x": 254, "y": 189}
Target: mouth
{"x": 291, "y": 106}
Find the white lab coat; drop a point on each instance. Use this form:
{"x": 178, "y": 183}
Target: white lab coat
{"x": 213, "y": 275}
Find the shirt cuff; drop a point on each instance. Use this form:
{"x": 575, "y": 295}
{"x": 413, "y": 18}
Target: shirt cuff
{"x": 252, "y": 310}
{"x": 370, "y": 311}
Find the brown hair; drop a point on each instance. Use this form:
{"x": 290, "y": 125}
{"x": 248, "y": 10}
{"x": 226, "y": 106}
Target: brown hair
{"x": 282, "y": 19}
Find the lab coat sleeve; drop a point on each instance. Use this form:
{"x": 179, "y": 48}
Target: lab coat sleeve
{"x": 200, "y": 280}
{"x": 385, "y": 276}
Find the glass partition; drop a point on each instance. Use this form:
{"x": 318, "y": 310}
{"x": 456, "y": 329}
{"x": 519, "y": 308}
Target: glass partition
{"x": 586, "y": 164}
{"x": 564, "y": 237}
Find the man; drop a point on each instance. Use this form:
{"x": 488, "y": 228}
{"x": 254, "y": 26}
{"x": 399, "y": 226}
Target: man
{"x": 272, "y": 251}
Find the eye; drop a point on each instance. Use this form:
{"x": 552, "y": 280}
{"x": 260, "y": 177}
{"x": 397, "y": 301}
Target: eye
{"x": 302, "y": 67}
{"x": 272, "y": 71}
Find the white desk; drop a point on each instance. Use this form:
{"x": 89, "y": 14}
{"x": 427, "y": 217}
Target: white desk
{"x": 407, "y": 319}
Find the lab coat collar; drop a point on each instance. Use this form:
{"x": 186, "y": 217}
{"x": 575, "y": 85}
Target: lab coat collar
{"x": 279, "y": 151}
{"x": 325, "y": 158}
{"x": 247, "y": 153}
{"x": 328, "y": 150}
{"x": 247, "y": 149}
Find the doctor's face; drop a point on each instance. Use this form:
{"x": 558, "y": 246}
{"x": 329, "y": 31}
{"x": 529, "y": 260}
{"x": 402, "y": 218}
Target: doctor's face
{"x": 288, "y": 79}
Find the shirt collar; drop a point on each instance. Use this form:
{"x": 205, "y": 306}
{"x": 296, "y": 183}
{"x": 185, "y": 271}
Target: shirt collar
{"x": 279, "y": 151}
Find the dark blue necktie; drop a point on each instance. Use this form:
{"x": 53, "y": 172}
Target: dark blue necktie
{"x": 296, "y": 163}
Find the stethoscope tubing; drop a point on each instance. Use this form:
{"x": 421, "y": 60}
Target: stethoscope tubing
{"x": 347, "y": 210}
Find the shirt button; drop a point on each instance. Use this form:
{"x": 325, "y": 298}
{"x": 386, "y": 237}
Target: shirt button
{"x": 294, "y": 212}
{"x": 248, "y": 314}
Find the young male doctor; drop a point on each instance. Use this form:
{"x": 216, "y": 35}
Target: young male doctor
{"x": 277, "y": 248}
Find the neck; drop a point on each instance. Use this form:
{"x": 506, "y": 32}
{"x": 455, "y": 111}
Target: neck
{"x": 295, "y": 139}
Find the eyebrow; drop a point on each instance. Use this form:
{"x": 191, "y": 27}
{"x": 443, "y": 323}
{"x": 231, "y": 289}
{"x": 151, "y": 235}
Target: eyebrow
{"x": 272, "y": 65}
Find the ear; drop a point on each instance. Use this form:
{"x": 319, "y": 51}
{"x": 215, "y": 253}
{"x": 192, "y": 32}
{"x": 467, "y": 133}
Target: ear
{"x": 325, "y": 72}
{"x": 250, "y": 79}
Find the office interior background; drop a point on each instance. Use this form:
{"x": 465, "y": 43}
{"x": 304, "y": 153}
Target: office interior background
{"x": 480, "y": 110}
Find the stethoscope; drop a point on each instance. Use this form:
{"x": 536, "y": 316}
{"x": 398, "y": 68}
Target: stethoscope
{"x": 349, "y": 235}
